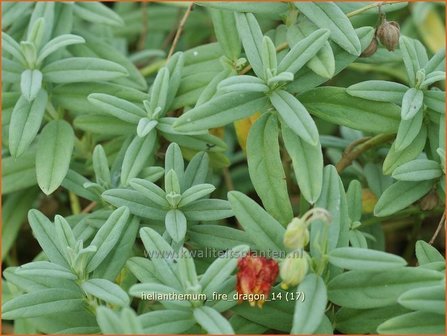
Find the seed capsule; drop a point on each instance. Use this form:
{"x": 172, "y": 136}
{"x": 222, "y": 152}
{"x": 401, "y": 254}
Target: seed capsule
{"x": 430, "y": 201}
{"x": 371, "y": 49}
{"x": 388, "y": 34}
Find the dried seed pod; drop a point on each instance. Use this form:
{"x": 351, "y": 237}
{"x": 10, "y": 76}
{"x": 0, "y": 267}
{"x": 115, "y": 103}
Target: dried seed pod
{"x": 388, "y": 34}
{"x": 370, "y": 49}
{"x": 430, "y": 201}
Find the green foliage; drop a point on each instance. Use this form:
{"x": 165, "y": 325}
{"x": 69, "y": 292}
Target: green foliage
{"x": 164, "y": 149}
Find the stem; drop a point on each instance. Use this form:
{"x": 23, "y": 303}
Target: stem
{"x": 89, "y": 207}
{"x": 364, "y": 9}
{"x": 438, "y": 229}
{"x": 397, "y": 225}
{"x": 180, "y": 29}
{"x": 75, "y": 205}
{"x": 354, "y": 153}
{"x": 378, "y": 4}
{"x": 52, "y": 111}
{"x": 401, "y": 215}
{"x": 228, "y": 180}
{"x": 280, "y": 47}
{"x": 152, "y": 68}
{"x": 142, "y": 40}
{"x": 412, "y": 239}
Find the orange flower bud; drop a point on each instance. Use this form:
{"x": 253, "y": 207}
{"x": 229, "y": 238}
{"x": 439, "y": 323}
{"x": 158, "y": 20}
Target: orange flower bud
{"x": 255, "y": 278}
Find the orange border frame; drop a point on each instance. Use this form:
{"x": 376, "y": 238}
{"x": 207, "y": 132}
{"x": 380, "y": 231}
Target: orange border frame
{"x": 161, "y": 1}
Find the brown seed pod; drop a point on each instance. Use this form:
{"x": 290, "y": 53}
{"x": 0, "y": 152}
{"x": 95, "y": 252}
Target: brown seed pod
{"x": 370, "y": 49}
{"x": 429, "y": 202}
{"x": 388, "y": 34}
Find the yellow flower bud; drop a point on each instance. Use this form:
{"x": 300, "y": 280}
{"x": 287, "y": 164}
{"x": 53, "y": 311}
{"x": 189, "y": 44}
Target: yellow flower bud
{"x": 297, "y": 234}
{"x": 293, "y": 269}
{"x": 369, "y": 200}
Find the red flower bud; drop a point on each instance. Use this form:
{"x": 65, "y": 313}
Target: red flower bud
{"x": 255, "y": 278}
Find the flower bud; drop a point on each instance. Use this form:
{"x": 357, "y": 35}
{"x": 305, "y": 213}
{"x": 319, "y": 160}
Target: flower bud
{"x": 296, "y": 235}
{"x": 370, "y": 49}
{"x": 369, "y": 200}
{"x": 293, "y": 269}
{"x": 388, "y": 34}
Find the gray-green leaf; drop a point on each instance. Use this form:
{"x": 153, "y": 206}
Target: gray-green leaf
{"x": 329, "y": 16}
{"x": 265, "y": 168}
{"x": 53, "y": 155}
{"x": 30, "y": 83}
{"x": 175, "y": 222}
{"x": 303, "y": 51}
{"x": 352, "y": 258}
{"x": 262, "y": 228}
{"x": 418, "y": 170}
{"x": 295, "y": 116}
{"x": 26, "y": 118}
{"x": 107, "y": 291}
{"x": 82, "y": 69}
{"x": 400, "y": 195}
{"x": 308, "y": 314}
{"x": 221, "y": 111}
{"x": 307, "y": 161}
{"x": 411, "y": 103}
{"x": 212, "y": 321}
{"x": 370, "y": 289}
{"x": 378, "y": 90}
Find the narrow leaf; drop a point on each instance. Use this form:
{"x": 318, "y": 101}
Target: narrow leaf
{"x": 53, "y": 155}
{"x": 263, "y": 229}
{"x": 82, "y": 69}
{"x": 251, "y": 37}
{"x": 307, "y": 161}
{"x": 352, "y": 258}
{"x": 295, "y": 116}
{"x": 41, "y": 303}
{"x": 329, "y": 16}
{"x": 30, "y": 83}
{"x": 411, "y": 103}
{"x": 400, "y": 195}
{"x": 117, "y": 107}
{"x": 175, "y": 222}
{"x": 371, "y": 289}
{"x": 378, "y": 90}
{"x": 418, "y": 170}
{"x": 303, "y": 51}
{"x": 222, "y": 110}
{"x": 210, "y": 320}
{"x": 107, "y": 236}
{"x": 26, "y": 118}
{"x": 266, "y": 170}
{"x": 309, "y": 314}
{"x": 106, "y": 291}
